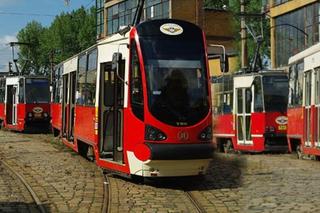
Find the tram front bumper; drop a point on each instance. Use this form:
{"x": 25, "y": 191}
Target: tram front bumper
{"x": 276, "y": 143}
{"x": 167, "y": 151}
{"x": 168, "y": 160}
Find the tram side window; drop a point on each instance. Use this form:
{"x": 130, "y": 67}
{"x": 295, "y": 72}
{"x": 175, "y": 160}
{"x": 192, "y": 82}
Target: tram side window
{"x": 21, "y": 90}
{"x": 90, "y": 89}
{"x": 258, "y": 101}
{"x": 57, "y": 89}
{"x": 58, "y": 96}
{"x": 136, "y": 90}
{"x": 223, "y": 95}
{"x": 2, "y": 90}
{"x": 81, "y": 84}
{"x": 296, "y": 84}
{"x": 317, "y": 85}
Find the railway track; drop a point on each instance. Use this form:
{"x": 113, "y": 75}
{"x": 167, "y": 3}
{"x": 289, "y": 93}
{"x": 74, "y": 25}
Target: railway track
{"x": 195, "y": 202}
{"x": 27, "y": 186}
{"x": 106, "y": 208}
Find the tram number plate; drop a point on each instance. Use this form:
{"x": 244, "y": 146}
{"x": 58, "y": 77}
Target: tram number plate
{"x": 37, "y": 115}
{"x": 282, "y": 127}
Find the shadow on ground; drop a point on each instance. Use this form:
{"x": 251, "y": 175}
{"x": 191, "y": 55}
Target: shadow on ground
{"x": 224, "y": 173}
{"x": 22, "y": 207}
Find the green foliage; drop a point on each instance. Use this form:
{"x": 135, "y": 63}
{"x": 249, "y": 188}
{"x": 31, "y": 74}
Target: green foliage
{"x": 254, "y": 23}
{"x": 215, "y": 4}
{"x": 68, "y": 34}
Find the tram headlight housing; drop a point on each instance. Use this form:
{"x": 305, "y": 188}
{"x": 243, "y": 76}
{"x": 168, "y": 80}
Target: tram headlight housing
{"x": 154, "y": 134}
{"x": 206, "y": 134}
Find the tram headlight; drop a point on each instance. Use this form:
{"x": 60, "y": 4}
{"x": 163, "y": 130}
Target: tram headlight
{"x": 30, "y": 115}
{"x": 206, "y": 134}
{"x": 154, "y": 134}
{"x": 45, "y": 114}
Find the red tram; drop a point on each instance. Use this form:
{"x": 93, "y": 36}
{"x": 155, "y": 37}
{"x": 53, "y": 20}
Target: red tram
{"x": 24, "y": 103}
{"x": 139, "y": 101}
{"x": 304, "y": 102}
{"x": 254, "y": 119}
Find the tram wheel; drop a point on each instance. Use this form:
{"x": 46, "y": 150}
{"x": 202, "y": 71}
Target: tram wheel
{"x": 90, "y": 154}
{"x": 227, "y": 147}
{"x": 56, "y": 132}
{"x": 299, "y": 152}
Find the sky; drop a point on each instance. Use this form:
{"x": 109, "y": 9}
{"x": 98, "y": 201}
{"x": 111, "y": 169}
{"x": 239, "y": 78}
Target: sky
{"x": 15, "y": 14}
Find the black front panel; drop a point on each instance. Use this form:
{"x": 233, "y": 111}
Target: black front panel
{"x": 175, "y": 67}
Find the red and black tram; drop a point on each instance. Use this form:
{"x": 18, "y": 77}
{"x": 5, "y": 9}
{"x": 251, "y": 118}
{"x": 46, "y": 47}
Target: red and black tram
{"x": 139, "y": 101}
{"x": 304, "y": 103}
{"x": 250, "y": 111}
{"x": 24, "y": 103}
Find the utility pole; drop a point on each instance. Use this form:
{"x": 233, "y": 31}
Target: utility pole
{"x": 244, "y": 45}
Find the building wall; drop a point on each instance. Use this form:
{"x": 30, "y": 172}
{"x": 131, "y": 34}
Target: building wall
{"x": 217, "y": 25}
{"x": 294, "y": 27}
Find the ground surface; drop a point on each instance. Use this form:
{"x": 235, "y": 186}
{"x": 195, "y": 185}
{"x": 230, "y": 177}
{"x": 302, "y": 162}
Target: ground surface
{"x": 66, "y": 182}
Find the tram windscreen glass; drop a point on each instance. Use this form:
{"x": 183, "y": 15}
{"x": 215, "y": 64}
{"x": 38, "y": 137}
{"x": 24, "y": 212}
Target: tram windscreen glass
{"x": 37, "y": 91}
{"x": 276, "y": 91}
{"x": 176, "y": 80}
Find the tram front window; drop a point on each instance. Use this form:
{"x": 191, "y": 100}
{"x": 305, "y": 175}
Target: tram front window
{"x": 276, "y": 89}
{"x": 176, "y": 80}
{"x": 37, "y": 91}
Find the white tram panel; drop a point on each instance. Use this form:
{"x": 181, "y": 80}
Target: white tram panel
{"x": 70, "y": 65}
{"x": 106, "y": 49}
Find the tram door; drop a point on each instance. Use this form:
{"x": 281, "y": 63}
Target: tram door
{"x": 243, "y": 115}
{"x": 111, "y": 113}
{"x": 68, "y": 105}
{"x": 317, "y": 107}
{"x": 11, "y": 104}
{"x": 307, "y": 109}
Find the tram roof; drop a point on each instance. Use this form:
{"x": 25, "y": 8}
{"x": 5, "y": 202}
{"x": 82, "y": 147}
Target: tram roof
{"x": 262, "y": 72}
{"x": 305, "y": 53}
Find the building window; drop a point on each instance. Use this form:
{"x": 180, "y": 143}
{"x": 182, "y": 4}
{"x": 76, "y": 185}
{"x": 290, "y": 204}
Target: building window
{"x": 278, "y": 2}
{"x": 296, "y": 31}
{"x": 100, "y": 17}
{"x": 122, "y": 14}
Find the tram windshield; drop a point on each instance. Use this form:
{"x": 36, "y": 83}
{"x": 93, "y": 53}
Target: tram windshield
{"x": 37, "y": 91}
{"x": 176, "y": 79}
{"x": 276, "y": 90}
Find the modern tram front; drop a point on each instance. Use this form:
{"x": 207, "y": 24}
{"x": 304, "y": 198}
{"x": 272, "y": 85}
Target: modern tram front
{"x": 163, "y": 126}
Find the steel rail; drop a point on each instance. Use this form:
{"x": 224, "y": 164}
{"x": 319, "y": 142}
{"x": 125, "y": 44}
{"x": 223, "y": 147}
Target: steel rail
{"x": 29, "y": 188}
{"x": 194, "y": 201}
{"x": 106, "y": 208}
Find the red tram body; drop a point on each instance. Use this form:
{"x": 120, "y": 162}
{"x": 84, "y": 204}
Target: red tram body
{"x": 139, "y": 102}
{"x": 304, "y": 102}
{"x": 253, "y": 120}
{"x": 24, "y": 103}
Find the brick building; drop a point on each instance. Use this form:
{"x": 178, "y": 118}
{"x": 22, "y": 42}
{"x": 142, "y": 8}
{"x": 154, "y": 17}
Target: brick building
{"x": 112, "y": 14}
{"x": 294, "y": 27}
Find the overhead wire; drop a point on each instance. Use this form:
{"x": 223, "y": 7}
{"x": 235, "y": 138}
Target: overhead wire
{"x": 26, "y": 14}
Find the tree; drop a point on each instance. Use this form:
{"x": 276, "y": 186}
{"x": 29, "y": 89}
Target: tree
{"x": 30, "y": 56}
{"x": 254, "y": 23}
{"x": 215, "y": 4}
{"x": 68, "y": 34}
